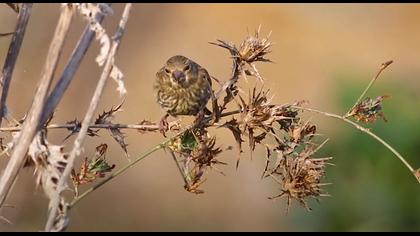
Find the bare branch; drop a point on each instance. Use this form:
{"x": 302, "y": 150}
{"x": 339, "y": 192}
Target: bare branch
{"x": 89, "y": 116}
{"x": 31, "y": 123}
{"x": 70, "y": 69}
{"x": 367, "y": 131}
{"x": 12, "y": 55}
{"x": 139, "y": 127}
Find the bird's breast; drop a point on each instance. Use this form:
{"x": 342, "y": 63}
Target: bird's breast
{"x": 183, "y": 101}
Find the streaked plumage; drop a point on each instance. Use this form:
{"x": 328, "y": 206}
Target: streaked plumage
{"x": 182, "y": 87}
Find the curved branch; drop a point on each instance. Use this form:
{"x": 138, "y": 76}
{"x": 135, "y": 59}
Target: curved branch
{"x": 366, "y": 131}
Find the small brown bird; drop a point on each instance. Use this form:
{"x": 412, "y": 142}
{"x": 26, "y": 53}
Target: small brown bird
{"x": 182, "y": 87}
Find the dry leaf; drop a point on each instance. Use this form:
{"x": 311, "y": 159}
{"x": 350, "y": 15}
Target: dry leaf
{"x": 118, "y": 76}
{"x": 50, "y": 162}
{"x": 106, "y": 118}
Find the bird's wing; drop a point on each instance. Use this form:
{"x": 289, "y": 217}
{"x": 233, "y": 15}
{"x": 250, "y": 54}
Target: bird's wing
{"x": 203, "y": 72}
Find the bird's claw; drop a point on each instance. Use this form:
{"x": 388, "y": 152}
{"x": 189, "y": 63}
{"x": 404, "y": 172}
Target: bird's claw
{"x": 199, "y": 118}
{"x": 163, "y": 126}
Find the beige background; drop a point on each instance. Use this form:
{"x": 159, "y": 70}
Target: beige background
{"x": 314, "y": 43}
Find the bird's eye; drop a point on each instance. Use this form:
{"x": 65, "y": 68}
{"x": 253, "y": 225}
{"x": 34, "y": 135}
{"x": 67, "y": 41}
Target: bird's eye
{"x": 167, "y": 71}
{"x": 186, "y": 67}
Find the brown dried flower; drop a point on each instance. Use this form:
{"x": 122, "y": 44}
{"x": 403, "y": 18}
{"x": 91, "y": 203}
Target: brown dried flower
{"x": 369, "y": 110}
{"x": 199, "y": 152}
{"x": 300, "y": 176}
{"x": 92, "y": 169}
{"x": 253, "y": 48}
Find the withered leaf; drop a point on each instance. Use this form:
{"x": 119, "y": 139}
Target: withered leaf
{"x": 267, "y": 161}
{"x": 118, "y": 76}
{"x": 233, "y": 126}
{"x": 259, "y": 138}
{"x": 119, "y": 137}
{"x": 90, "y": 11}
{"x": 193, "y": 188}
{"x": 300, "y": 131}
{"x": 229, "y": 46}
{"x": 231, "y": 92}
{"x": 106, "y": 118}
{"x": 50, "y": 162}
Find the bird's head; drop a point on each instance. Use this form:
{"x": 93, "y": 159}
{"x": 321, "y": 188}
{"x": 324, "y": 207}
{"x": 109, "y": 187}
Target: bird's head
{"x": 180, "y": 70}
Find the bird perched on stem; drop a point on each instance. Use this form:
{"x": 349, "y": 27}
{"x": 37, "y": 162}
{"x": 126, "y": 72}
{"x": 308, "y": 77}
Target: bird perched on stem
{"x": 182, "y": 87}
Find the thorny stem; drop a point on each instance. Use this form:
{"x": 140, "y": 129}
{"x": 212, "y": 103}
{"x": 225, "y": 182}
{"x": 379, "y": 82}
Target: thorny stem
{"x": 143, "y": 156}
{"x": 151, "y": 127}
{"x": 367, "y": 131}
{"x": 381, "y": 68}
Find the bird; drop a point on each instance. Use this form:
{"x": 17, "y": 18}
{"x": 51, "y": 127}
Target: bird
{"x": 182, "y": 87}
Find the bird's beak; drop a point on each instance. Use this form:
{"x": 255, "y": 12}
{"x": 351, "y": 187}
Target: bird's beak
{"x": 179, "y": 76}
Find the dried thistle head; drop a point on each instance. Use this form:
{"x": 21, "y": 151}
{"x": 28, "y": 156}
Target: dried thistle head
{"x": 300, "y": 176}
{"x": 205, "y": 153}
{"x": 259, "y": 118}
{"x": 251, "y": 50}
{"x": 198, "y": 150}
{"x": 258, "y": 112}
{"x": 301, "y": 131}
{"x": 254, "y": 48}
{"x": 201, "y": 158}
{"x": 369, "y": 110}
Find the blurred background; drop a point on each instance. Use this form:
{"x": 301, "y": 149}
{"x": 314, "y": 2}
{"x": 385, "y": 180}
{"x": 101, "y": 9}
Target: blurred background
{"x": 324, "y": 53}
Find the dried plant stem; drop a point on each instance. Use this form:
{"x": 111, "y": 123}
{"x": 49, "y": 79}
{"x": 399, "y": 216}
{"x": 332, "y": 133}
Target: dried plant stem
{"x": 367, "y": 131}
{"x": 12, "y": 54}
{"x": 31, "y": 123}
{"x": 151, "y": 127}
{"x": 381, "y": 68}
{"x": 148, "y": 127}
{"x": 89, "y": 116}
{"x": 70, "y": 69}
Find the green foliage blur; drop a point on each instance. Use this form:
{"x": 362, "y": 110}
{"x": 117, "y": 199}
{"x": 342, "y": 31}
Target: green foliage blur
{"x": 372, "y": 190}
